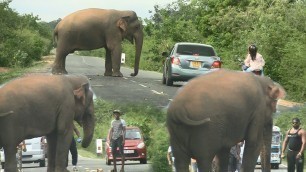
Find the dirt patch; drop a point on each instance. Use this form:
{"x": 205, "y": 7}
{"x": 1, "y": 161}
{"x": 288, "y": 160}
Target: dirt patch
{"x": 48, "y": 59}
{"x": 4, "y": 69}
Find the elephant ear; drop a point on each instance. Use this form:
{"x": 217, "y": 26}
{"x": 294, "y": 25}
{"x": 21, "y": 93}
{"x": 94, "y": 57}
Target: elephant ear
{"x": 275, "y": 92}
{"x": 122, "y": 23}
{"x": 81, "y": 92}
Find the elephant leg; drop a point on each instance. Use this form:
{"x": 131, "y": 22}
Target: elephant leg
{"x": 51, "y": 140}
{"x": 62, "y": 149}
{"x": 181, "y": 163}
{"x": 252, "y": 148}
{"x": 60, "y": 60}
{"x": 108, "y": 63}
{"x": 116, "y": 61}
{"x": 204, "y": 164}
{"x": 10, "y": 159}
{"x": 223, "y": 159}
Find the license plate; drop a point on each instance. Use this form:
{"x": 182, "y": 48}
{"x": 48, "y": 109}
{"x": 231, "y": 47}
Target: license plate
{"x": 128, "y": 151}
{"x": 195, "y": 64}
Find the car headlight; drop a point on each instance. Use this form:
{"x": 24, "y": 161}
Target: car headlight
{"x": 141, "y": 145}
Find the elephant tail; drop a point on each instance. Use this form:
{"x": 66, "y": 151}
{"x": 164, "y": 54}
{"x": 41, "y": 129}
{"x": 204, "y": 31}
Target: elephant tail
{"x": 6, "y": 113}
{"x": 55, "y": 34}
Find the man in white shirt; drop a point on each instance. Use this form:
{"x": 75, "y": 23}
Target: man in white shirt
{"x": 117, "y": 138}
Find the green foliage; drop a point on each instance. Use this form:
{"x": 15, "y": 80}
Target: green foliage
{"x": 96, "y": 53}
{"x": 22, "y": 39}
{"x": 6, "y": 76}
{"x": 150, "y": 120}
{"x": 284, "y": 120}
{"x": 277, "y": 27}
{"x": 159, "y": 149}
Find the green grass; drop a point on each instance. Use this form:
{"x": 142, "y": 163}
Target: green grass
{"x": 17, "y": 72}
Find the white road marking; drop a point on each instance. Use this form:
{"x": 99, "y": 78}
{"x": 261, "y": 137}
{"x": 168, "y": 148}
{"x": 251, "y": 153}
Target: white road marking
{"x": 142, "y": 85}
{"x": 156, "y": 92}
{"x": 133, "y": 81}
{"x": 125, "y": 78}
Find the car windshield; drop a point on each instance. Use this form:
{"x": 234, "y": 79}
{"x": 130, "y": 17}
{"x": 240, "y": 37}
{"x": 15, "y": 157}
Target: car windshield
{"x": 195, "y": 50}
{"x": 132, "y": 134}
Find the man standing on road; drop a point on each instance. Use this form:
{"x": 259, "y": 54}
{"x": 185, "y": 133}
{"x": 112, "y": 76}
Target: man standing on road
{"x": 117, "y": 137}
{"x": 296, "y": 140}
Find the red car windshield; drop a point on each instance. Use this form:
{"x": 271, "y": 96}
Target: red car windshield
{"x": 132, "y": 134}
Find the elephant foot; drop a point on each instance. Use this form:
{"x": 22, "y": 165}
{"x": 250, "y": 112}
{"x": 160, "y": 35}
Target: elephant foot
{"x": 59, "y": 71}
{"x": 117, "y": 74}
{"x": 107, "y": 73}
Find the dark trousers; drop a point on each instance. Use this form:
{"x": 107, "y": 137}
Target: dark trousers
{"x": 232, "y": 164}
{"x": 293, "y": 162}
{"x": 74, "y": 153}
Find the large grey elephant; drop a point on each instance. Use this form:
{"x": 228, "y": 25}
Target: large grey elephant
{"x": 215, "y": 111}
{"x": 96, "y": 28}
{"x": 47, "y": 105}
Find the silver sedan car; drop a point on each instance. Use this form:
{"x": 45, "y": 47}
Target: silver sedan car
{"x": 188, "y": 60}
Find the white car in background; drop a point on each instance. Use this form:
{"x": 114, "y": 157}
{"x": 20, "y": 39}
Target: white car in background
{"x": 35, "y": 152}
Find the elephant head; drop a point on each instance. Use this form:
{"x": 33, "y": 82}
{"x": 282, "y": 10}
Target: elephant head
{"x": 132, "y": 29}
{"x": 85, "y": 112}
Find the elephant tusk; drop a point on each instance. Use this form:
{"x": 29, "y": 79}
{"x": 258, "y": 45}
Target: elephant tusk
{"x": 6, "y": 113}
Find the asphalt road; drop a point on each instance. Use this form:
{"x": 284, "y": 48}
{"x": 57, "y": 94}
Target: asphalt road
{"x": 145, "y": 88}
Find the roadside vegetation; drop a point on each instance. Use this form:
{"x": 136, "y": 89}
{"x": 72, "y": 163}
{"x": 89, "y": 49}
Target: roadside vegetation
{"x": 149, "y": 119}
{"x": 277, "y": 27}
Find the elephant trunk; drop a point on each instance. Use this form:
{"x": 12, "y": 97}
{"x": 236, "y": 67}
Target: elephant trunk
{"x": 88, "y": 130}
{"x": 138, "y": 36}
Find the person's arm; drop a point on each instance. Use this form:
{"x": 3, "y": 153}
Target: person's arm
{"x": 285, "y": 142}
{"x": 247, "y": 60}
{"x": 76, "y": 131}
{"x": 111, "y": 134}
{"x": 169, "y": 157}
{"x": 262, "y": 61}
{"x": 302, "y": 133}
{"x": 123, "y": 133}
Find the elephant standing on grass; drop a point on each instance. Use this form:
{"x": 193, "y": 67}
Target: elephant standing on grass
{"x": 215, "y": 111}
{"x": 91, "y": 29}
{"x": 47, "y": 105}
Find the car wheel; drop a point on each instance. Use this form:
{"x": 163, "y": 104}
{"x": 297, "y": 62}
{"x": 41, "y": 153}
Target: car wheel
{"x": 275, "y": 166}
{"x": 2, "y": 165}
{"x": 143, "y": 161}
{"x": 169, "y": 81}
{"x": 164, "y": 79}
{"x": 42, "y": 163}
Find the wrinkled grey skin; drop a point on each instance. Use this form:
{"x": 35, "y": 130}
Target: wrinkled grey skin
{"x": 91, "y": 29}
{"x": 213, "y": 112}
{"x": 45, "y": 105}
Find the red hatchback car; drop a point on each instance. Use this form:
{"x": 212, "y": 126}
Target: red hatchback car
{"x": 134, "y": 148}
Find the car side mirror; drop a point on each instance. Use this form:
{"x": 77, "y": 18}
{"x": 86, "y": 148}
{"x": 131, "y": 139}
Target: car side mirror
{"x": 165, "y": 54}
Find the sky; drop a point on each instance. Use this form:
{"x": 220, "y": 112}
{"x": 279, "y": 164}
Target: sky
{"x": 49, "y": 10}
